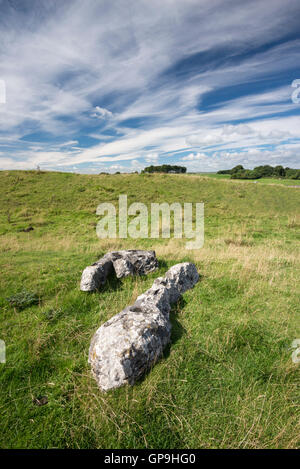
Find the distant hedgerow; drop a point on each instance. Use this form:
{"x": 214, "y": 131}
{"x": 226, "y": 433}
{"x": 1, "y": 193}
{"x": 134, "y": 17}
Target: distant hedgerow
{"x": 264, "y": 171}
{"x": 23, "y": 299}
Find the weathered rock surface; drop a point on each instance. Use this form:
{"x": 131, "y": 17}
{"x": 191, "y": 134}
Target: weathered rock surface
{"x": 123, "y": 263}
{"x": 95, "y": 275}
{"x": 127, "y": 345}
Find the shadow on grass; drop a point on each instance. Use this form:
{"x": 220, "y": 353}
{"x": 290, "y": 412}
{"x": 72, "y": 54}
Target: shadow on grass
{"x": 112, "y": 284}
{"x": 177, "y": 329}
{"x": 162, "y": 264}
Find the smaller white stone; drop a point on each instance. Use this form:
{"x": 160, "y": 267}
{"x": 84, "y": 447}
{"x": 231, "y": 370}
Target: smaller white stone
{"x": 123, "y": 263}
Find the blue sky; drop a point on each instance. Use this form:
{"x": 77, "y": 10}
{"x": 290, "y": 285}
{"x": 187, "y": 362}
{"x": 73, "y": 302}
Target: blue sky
{"x": 117, "y": 85}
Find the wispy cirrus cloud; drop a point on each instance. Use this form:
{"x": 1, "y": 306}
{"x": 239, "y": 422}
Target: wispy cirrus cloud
{"x": 92, "y": 84}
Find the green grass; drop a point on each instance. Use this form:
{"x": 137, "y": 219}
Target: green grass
{"x": 285, "y": 182}
{"x": 226, "y": 381}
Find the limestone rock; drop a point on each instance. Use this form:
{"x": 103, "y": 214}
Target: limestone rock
{"x": 123, "y": 263}
{"x": 127, "y": 345}
{"x": 123, "y": 268}
{"x": 95, "y": 275}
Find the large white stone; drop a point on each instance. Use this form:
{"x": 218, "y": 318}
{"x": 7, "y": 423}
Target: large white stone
{"x": 127, "y": 345}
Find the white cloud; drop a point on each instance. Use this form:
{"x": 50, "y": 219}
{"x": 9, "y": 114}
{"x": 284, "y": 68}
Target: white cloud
{"x": 194, "y": 156}
{"x": 240, "y": 129}
{"x": 101, "y": 113}
{"x": 151, "y": 158}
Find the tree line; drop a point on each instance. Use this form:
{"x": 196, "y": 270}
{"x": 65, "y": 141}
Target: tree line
{"x": 165, "y": 168}
{"x": 264, "y": 171}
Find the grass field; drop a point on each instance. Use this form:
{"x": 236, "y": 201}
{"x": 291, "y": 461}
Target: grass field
{"x": 226, "y": 381}
{"x": 285, "y": 182}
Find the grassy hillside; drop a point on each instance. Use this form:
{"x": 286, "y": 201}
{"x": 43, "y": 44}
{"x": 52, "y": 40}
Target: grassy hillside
{"x": 226, "y": 381}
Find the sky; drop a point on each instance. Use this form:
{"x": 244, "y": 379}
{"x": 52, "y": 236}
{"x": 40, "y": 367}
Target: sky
{"x": 96, "y": 86}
